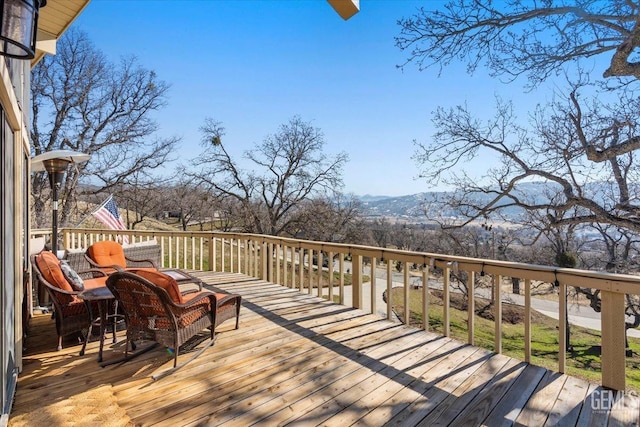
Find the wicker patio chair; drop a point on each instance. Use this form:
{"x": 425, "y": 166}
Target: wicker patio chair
{"x": 110, "y": 256}
{"x": 155, "y": 310}
{"x": 69, "y": 311}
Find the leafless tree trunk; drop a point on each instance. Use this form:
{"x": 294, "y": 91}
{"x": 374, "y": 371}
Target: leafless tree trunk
{"x": 82, "y": 102}
{"x": 289, "y": 169}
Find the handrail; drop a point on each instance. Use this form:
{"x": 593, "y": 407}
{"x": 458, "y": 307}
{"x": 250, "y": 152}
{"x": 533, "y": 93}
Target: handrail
{"x": 299, "y": 263}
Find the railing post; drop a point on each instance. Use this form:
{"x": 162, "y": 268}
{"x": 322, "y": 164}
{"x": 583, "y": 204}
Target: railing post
{"x": 613, "y": 342}
{"x": 278, "y": 249}
{"x": 193, "y": 252}
{"x": 65, "y": 240}
{"x": 301, "y": 269}
{"x": 269, "y": 258}
{"x": 373, "y": 285}
{"x": 178, "y": 239}
{"x": 497, "y": 294}
{"x": 201, "y": 253}
{"x": 330, "y": 274}
{"x": 293, "y": 254}
{"x": 389, "y": 289}
{"x": 211, "y": 253}
{"x": 185, "y": 245}
{"x": 527, "y": 320}
{"x": 406, "y": 303}
{"x": 562, "y": 328}
{"x": 320, "y": 272}
{"x": 285, "y": 264}
{"x": 264, "y": 253}
{"x": 310, "y": 271}
{"x": 446, "y": 301}
{"x": 255, "y": 262}
{"x": 222, "y": 254}
{"x": 162, "y": 251}
{"x": 356, "y": 280}
{"x": 245, "y": 245}
{"x": 471, "y": 309}
{"x": 341, "y": 282}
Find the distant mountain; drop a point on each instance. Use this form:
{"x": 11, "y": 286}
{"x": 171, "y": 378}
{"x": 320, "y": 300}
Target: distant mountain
{"x": 370, "y": 198}
{"x": 397, "y": 206}
{"x": 412, "y": 206}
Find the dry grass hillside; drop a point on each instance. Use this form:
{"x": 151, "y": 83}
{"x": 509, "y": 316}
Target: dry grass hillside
{"x": 83, "y": 219}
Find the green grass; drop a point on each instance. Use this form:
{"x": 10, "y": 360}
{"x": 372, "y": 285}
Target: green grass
{"x": 583, "y": 361}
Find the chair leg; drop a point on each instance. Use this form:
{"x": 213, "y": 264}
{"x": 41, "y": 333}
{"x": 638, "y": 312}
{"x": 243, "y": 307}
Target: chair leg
{"x": 238, "y": 305}
{"x": 59, "y": 342}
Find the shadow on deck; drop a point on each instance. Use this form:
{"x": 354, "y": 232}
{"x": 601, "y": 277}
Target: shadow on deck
{"x": 302, "y": 360}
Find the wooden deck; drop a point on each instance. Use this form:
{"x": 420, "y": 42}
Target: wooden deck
{"x": 299, "y": 360}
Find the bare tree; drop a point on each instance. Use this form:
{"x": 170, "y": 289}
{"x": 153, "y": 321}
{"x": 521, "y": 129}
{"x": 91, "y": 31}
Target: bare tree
{"x": 555, "y": 151}
{"x": 192, "y": 200}
{"x": 381, "y": 231}
{"x": 288, "y": 168}
{"x": 522, "y": 37}
{"x": 141, "y": 198}
{"x": 582, "y": 150}
{"x": 82, "y": 102}
{"x": 325, "y": 220}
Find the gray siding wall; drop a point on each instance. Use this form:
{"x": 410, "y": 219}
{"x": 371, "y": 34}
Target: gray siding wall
{"x": 13, "y": 232}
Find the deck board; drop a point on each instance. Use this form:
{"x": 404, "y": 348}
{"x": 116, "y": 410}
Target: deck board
{"x": 297, "y": 359}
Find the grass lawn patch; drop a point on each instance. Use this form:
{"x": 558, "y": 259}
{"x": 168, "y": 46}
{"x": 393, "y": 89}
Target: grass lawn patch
{"x": 583, "y": 360}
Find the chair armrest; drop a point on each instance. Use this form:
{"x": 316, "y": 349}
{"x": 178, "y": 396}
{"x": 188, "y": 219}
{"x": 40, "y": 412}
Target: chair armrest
{"x": 144, "y": 262}
{"x": 92, "y": 273}
{"x": 56, "y": 294}
{"x": 202, "y": 295}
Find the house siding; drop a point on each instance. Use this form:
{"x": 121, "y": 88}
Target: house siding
{"x": 14, "y": 156}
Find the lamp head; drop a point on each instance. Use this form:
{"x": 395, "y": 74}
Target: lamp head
{"x": 18, "y": 27}
{"x": 56, "y": 163}
{"x": 55, "y": 169}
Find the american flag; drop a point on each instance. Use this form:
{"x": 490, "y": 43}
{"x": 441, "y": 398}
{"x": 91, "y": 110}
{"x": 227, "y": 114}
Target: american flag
{"x": 109, "y": 216}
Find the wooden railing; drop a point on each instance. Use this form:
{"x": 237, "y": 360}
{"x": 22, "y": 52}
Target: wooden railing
{"x": 294, "y": 263}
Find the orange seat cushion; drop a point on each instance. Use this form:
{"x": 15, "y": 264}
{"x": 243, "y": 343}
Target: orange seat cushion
{"x": 107, "y": 253}
{"x": 49, "y": 266}
{"x": 163, "y": 281}
{"x": 96, "y": 282}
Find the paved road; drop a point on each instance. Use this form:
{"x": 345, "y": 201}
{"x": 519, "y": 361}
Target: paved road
{"x": 578, "y": 315}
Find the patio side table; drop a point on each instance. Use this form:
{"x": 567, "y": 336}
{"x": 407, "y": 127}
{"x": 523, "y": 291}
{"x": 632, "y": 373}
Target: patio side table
{"x": 103, "y": 297}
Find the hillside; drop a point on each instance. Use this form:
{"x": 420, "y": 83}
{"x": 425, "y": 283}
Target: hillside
{"x": 412, "y": 206}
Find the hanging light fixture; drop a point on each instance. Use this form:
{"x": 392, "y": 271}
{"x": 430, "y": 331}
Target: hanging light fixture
{"x": 18, "y": 27}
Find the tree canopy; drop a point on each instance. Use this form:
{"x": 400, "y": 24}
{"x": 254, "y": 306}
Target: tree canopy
{"x": 523, "y": 37}
{"x": 286, "y": 170}
{"x": 582, "y": 145}
{"x": 83, "y": 102}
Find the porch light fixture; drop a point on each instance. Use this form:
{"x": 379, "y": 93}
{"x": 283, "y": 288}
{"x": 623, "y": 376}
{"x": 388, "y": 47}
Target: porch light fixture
{"x": 56, "y": 163}
{"x": 18, "y": 27}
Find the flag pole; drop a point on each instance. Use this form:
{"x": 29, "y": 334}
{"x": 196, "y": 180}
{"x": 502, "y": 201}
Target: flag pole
{"x": 95, "y": 210}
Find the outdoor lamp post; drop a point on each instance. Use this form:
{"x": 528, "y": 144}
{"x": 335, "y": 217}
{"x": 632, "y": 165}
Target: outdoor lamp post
{"x": 56, "y": 163}
{"x": 18, "y": 27}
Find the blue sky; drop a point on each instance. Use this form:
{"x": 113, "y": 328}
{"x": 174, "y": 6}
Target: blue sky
{"x": 255, "y": 64}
